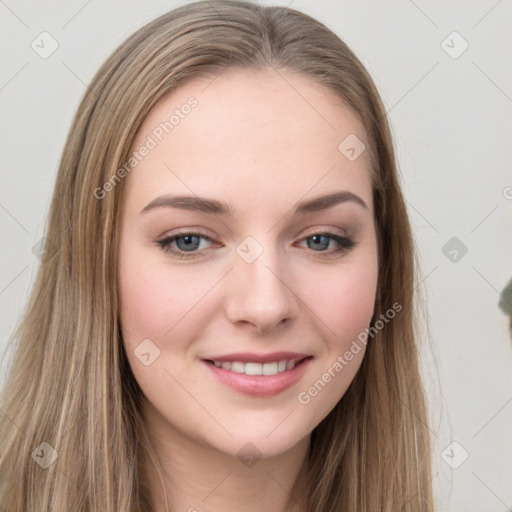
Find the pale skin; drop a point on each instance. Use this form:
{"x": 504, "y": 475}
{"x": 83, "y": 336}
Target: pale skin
{"x": 256, "y": 144}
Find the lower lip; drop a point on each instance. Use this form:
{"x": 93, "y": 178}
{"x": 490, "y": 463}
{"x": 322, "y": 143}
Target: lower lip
{"x": 260, "y": 385}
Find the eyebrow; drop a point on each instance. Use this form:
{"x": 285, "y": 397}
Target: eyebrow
{"x": 214, "y": 206}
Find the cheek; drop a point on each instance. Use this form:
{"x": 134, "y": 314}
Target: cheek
{"x": 343, "y": 308}
{"x": 162, "y": 305}
{"x": 156, "y": 303}
{"x": 344, "y": 303}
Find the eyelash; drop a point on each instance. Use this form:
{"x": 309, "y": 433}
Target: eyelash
{"x": 346, "y": 244}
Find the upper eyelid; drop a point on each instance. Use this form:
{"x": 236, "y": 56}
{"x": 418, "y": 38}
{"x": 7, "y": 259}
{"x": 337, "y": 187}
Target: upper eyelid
{"x": 304, "y": 233}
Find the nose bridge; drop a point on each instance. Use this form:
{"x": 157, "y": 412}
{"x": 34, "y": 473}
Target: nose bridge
{"x": 260, "y": 294}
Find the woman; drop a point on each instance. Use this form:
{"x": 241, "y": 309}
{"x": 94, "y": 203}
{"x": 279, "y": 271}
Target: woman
{"x": 223, "y": 319}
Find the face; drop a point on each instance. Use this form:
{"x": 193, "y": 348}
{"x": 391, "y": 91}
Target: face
{"x": 247, "y": 259}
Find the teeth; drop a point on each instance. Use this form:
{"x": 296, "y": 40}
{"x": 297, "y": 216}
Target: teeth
{"x": 269, "y": 368}
{"x": 290, "y": 365}
{"x": 253, "y": 368}
{"x": 237, "y": 367}
{"x": 257, "y": 368}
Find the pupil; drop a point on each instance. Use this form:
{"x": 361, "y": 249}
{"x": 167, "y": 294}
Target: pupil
{"x": 190, "y": 242}
{"x": 317, "y": 239}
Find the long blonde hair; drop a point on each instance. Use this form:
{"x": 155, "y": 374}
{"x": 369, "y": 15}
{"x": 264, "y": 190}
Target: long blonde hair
{"x": 70, "y": 384}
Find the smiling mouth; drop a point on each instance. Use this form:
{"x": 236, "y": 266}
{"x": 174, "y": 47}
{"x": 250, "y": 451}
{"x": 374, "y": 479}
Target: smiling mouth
{"x": 255, "y": 369}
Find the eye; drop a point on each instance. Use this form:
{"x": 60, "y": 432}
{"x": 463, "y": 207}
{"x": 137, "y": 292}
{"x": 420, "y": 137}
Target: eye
{"x": 186, "y": 244}
{"x": 189, "y": 244}
{"x": 320, "y": 242}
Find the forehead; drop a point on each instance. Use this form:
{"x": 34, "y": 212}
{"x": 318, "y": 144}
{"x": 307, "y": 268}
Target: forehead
{"x": 247, "y": 132}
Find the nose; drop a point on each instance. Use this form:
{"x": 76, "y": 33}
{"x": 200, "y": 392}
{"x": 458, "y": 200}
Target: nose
{"x": 260, "y": 293}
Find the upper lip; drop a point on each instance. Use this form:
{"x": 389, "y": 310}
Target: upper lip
{"x": 248, "y": 357}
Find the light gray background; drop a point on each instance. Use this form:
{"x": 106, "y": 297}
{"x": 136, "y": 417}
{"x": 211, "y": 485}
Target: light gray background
{"x": 452, "y": 122}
